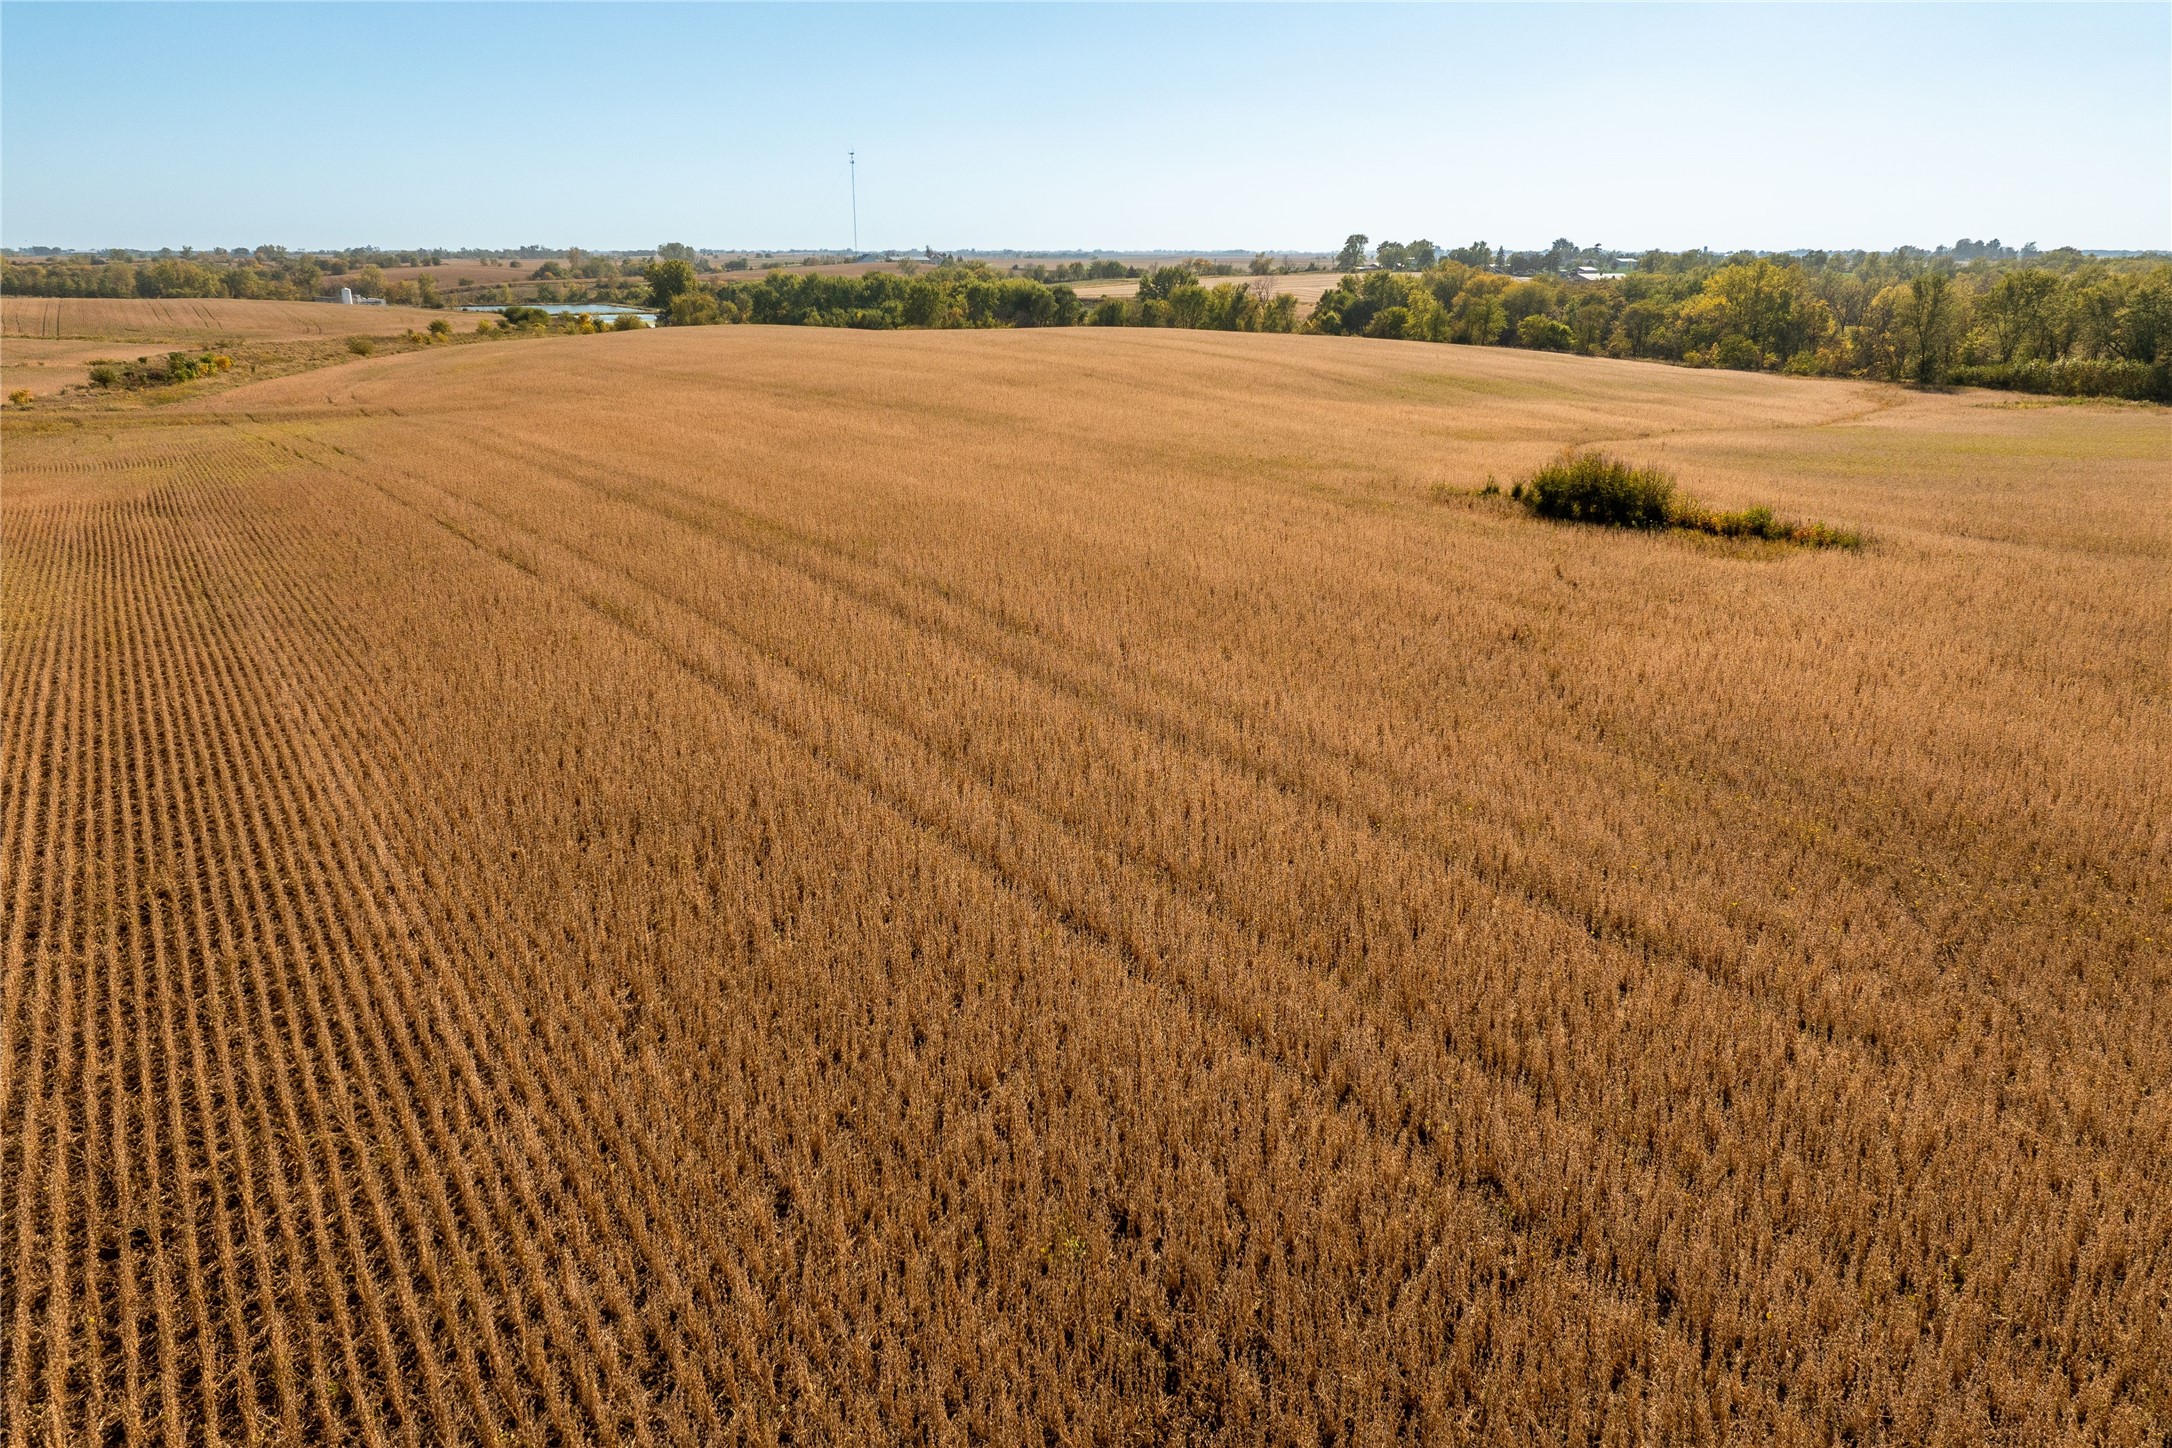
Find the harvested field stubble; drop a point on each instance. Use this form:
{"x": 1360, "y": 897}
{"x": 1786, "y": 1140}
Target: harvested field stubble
{"x": 950, "y": 884}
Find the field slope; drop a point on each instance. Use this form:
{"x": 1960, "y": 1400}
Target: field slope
{"x": 777, "y": 885}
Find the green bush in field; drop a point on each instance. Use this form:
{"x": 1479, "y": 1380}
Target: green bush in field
{"x": 1591, "y": 487}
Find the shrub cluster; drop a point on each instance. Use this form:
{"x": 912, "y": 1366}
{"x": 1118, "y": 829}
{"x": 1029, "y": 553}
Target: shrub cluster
{"x": 159, "y": 372}
{"x": 1593, "y": 487}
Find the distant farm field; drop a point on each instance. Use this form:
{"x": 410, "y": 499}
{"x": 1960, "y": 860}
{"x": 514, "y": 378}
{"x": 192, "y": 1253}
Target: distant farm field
{"x": 755, "y": 885}
{"x": 1307, "y": 287}
{"x": 49, "y": 343}
{"x": 190, "y": 319}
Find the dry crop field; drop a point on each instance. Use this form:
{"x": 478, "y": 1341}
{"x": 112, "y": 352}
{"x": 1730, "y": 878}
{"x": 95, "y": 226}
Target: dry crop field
{"x": 762, "y": 885}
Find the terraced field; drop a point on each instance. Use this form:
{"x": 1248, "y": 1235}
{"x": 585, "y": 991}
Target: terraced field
{"x": 762, "y": 885}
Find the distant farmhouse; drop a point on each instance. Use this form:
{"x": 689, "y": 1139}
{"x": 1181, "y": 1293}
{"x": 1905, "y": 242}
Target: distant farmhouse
{"x": 347, "y": 298}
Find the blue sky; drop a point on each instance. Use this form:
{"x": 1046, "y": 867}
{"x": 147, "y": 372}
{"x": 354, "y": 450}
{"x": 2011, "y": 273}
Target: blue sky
{"x": 1114, "y": 126}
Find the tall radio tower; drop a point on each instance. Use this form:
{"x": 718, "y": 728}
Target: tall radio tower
{"x": 852, "y": 164}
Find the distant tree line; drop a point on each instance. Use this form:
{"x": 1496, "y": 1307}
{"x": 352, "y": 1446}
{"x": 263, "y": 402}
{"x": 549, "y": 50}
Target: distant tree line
{"x": 1978, "y": 313}
{"x": 2060, "y": 322}
{"x": 1101, "y": 269}
{"x": 268, "y": 273}
{"x": 2052, "y": 322}
{"x": 961, "y": 295}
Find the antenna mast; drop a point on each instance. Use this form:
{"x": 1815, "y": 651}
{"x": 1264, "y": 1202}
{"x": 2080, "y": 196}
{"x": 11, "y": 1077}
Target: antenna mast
{"x": 852, "y": 163}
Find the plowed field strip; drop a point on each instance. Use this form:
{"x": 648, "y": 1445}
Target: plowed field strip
{"x": 199, "y": 916}
{"x": 33, "y": 1171}
{"x": 459, "y": 1157}
{"x": 615, "y": 1389}
{"x": 132, "y": 1149}
{"x": 93, "y": 1218}
{"x": 39, "y": 636}
{"x": 409, "y": 1009}
{"x": 413, "y": 1010}
{"x": 279, "y": 1301}
{"x": 258, "y": 888}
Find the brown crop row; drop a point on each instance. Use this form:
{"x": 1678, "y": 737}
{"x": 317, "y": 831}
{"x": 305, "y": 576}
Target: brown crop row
{"x": 769, "y": 885}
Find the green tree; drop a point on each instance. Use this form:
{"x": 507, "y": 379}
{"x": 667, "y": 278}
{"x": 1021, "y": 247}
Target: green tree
{"x": 1479, "y": 316}
{"x": 1388, "y": 322}
{"x": 1912, "y": 329}
{"x": 1548, "y": 334}
{"x": 1352, "y": 255}
{"x": 667, "y": 279}
{"x": 1930, "y": 317}
{"x": 1758, "y": 313}
{"x": 2145, "y": 324}
{"x": 1165, "y": 283}
{"x": 1639, "y": 328}
{"x": 2019, "y": 316}
{"x": 693, "y": 308}
{"x": 1590, "y": 319}
{"x": 1530, "y": 298}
